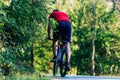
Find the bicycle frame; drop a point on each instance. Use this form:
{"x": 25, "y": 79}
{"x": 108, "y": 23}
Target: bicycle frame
{"x": 61, "y": 48}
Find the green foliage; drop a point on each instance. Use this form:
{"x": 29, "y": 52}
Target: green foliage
{"x": 18, "y": 76}
{"x": 106, "y": 42}
{"x": 21, "y": 26}
{"x": 23, "y": 31}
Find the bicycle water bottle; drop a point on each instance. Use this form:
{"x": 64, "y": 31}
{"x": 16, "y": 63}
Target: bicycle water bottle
{"x": 59, "y": 54}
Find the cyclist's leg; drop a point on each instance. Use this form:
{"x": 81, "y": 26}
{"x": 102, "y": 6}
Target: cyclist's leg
{"x": 68, "y": 51}
{"x": 68, "y": 46}
{"x": 55, "y": 44}
{"x": 55, "y": 47}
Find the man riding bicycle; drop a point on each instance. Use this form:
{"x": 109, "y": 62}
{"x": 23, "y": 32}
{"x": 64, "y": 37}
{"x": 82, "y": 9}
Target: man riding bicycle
{"x": 64, "y": 32}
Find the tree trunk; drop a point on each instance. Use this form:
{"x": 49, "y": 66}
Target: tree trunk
{"x": 93, "y": 40}
{"x": 32, "y": 56}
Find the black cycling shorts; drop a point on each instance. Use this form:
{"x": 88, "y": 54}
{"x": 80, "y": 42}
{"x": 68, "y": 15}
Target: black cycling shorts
{"x": 64, "y": 31}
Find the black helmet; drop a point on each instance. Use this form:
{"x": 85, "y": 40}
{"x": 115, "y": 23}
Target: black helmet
{"x": 55, "y": 10}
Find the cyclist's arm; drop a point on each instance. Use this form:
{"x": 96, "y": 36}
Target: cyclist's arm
{"x": 49, "y": 29}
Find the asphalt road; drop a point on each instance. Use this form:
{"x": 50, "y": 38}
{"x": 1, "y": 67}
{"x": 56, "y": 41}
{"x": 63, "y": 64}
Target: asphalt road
{"x": 79, "y": 77}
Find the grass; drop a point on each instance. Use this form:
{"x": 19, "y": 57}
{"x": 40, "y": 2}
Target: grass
{"x": 18, "y": 76}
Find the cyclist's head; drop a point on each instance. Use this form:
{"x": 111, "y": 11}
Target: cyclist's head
{"x": 55, "y": 10}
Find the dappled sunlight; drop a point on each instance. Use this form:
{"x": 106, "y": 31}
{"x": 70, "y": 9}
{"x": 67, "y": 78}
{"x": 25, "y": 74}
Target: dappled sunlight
{"x": 24, "y": 44}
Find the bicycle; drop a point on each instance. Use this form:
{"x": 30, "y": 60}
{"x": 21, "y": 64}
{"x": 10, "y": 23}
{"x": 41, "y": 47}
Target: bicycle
{"x": 62, "y": 59}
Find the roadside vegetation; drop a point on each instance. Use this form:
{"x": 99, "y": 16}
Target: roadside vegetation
{"x": 24, "y": 48}
{"x": 18, "y": 76}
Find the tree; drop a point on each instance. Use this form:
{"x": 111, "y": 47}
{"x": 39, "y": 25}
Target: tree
{"x": 93, "y": 40}
{"x": 22, "y": 26}
{"x": 106, "y": 27}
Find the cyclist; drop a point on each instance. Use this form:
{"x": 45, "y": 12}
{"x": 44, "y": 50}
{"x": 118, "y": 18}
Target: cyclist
{"x": 65, "y": 30}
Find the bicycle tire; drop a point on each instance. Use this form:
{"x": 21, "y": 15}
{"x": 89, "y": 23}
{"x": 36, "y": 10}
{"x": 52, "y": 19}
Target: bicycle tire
{"x": 55, "y": 68}
{"x": 63, "y": 65}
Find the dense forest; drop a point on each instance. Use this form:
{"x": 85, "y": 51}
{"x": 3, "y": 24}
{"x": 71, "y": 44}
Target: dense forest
{"x": 95, "y": 46}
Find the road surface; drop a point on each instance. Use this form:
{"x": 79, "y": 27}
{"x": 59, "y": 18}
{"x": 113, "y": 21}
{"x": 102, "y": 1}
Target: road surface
{"x": 79, "y": 77}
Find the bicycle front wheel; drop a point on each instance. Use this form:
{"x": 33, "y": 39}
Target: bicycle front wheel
{"x": 63, "y": 65}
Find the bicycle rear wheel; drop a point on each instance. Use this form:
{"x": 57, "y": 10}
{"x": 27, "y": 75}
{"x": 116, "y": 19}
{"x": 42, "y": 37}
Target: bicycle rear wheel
{"x": 55, "y": 68}
{"x": 63, "y": 65}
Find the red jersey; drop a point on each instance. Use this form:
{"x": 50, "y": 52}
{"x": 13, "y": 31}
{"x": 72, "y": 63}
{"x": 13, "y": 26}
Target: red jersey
{"x": 59, "y": 16}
